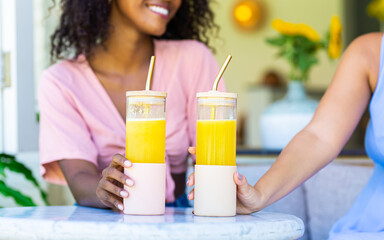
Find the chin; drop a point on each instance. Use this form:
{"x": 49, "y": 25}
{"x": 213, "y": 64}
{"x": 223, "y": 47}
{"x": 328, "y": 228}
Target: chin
{"x": 156, "y": 32}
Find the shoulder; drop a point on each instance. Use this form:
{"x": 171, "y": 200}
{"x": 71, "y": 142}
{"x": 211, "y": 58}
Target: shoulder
{"x": 186, "y": 48}
{"x": 63, "y": 78}
{"x": 63, "y": 73}
{"x": 364, "y": 53}
{"x": 366, "y": 47}
{"x": 365, "y": 39}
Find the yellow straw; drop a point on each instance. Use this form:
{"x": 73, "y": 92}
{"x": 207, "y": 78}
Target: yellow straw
{"x": 216, "y": 83}
{"x": 150, "y": 72}
{"x": 221, "y": 72}
{"x": 148, "y": 83}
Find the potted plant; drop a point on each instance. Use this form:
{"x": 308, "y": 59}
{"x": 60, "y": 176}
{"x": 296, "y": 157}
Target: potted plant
{"x": 10, "y": 163}
{"x": 299, "y": 44}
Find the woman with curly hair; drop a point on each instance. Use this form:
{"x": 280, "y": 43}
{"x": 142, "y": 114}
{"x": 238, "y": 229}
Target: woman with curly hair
{"x": 105, "y": 47}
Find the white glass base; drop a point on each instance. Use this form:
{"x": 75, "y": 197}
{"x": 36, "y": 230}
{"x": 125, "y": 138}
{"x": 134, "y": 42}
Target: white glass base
{"x": 147, "y": 196}
{"x": 215, "y": 191}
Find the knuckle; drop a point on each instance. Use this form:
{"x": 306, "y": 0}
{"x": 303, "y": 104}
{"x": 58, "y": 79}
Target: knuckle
{"x": 109, "y": 171}
{"x": 98, "y": 192}
{"x": 118, "y": 158}
{"x": 99, "y": 186}
{"x": 103, "y": 184}
{"x": 106, "y": 196}
{"x": 105, "y": 172}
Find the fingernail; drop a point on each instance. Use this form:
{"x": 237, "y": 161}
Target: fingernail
{"x": 129, "y": 182}
{"x": 188, "y": 182}
{"x": 123, "y": 194}
{"x": 239, "y": 176}
{"x": 127, "y": 163}
{"x": 190, "y": 195}
{"x": 120, "y": 207}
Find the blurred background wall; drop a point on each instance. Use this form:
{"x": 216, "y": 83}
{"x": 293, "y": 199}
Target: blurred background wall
{"x": 252, "y": 59}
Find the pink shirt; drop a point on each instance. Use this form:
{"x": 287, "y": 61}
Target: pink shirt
{"x": 78, "y": 120}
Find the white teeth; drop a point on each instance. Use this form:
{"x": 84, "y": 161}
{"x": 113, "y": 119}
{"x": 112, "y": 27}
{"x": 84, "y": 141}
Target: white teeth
{"x": 158, "y": 9}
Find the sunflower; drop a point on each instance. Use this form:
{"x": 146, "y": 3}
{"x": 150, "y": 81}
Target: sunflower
{"x": 292, "y": 29}
{"x": 300, "y": 43}
{"x": 376, "y": 9}
{"x": 335, "y": 45}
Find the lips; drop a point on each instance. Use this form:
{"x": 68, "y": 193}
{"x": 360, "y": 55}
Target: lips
{"x": 163, "y": 11}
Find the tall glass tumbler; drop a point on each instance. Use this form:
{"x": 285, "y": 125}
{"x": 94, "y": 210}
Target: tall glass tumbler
{"x": 215, "y": 189}
{"x": 145, "y": 148}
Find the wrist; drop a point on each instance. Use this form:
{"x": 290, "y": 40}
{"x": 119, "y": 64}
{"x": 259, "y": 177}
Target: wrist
{"x": 262, "y": 199}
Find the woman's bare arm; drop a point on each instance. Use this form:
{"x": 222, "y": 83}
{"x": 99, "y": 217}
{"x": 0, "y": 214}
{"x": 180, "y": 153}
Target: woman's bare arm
{"x": 336, "y": 117}
{"x": 92, "y": 190}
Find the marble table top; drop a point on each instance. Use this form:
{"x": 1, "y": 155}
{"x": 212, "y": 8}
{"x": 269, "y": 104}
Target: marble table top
{"x": 72, "y": 222}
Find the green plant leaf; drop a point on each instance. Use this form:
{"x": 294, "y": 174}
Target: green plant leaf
{"x": 277, "y": 41}
{"x": 304, "y": 43}
{"x": 300, "y": 52}
{"x": 306, "y": 61}
{"x": 2, "y": 168}
{"x": 19, "y": 198}
{"x": 10, "y": 162}
{"x": 18, "y": 167}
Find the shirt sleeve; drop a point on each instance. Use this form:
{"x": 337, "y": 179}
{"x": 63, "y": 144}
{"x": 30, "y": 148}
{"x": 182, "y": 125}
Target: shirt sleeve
{"x": 63, "y": 132}
{"x": 202, "y": 82}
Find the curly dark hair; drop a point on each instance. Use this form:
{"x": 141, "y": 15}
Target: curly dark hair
{"x": 85, "y": 24}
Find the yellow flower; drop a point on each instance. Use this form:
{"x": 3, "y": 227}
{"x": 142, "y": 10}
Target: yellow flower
{"x": 292, "y": 29}
{"x": 335, "y": 44}
{"x": 376, "y": 9}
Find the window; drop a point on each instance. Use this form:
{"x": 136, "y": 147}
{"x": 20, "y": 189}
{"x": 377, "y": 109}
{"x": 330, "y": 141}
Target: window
{"x": 19, "y": 128}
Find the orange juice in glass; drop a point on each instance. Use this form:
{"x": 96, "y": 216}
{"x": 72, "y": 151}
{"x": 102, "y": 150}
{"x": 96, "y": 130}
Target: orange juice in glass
{"x": 145, "y": 142}
{"x": 145, "y": 148}
{"x": 216, "y": 141}
{"x": 215, "y": 190}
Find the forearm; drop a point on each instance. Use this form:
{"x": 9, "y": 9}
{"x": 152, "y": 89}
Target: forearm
{"x": 82, "y": 178}
{"x": 303, "y": 157}
{"x": 83, "y": 187}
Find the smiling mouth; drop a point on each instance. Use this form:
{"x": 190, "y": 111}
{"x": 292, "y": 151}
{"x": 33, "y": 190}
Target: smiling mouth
{"x": 162, "y": 11}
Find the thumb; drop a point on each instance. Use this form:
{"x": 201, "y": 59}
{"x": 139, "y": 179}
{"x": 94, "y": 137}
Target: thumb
{"x": 241, "y": 182}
